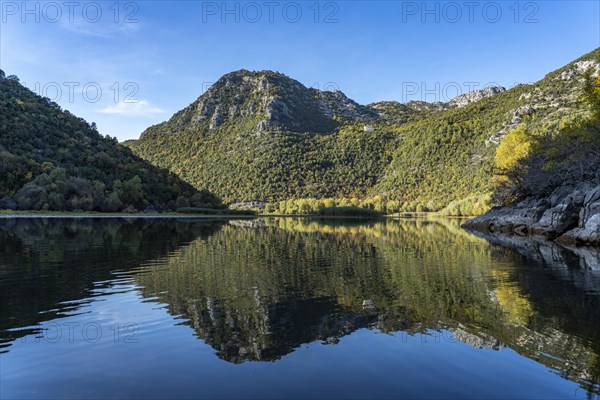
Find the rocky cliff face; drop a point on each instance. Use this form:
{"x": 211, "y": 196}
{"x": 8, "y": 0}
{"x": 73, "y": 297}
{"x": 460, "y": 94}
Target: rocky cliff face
{"x": 276, "y": 102}
{"x": 460, "y": 101}
{"x": 337, "y": 104}
{"x": 270, "y": 100}
{"x": 476, "y": 95}
{"x": 571, "y": 215}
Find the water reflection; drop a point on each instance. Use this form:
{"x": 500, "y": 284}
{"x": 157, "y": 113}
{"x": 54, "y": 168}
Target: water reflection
{"x": 256, "y": 290}
{"x": 48, "y": 265}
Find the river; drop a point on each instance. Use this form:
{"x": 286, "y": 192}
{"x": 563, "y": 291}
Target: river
{"x": 291, "y": 308}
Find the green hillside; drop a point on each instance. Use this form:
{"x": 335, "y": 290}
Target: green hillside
{"x": 53, "y": 160}
{"x": 261, "y": 136}
{"x": 449, "y": 155}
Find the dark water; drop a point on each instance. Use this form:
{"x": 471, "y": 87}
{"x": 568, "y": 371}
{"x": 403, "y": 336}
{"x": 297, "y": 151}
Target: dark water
{"x": 280, "y": 308}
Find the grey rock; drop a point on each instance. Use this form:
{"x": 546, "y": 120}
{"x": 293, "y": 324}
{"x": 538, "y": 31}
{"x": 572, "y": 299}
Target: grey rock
{"x": 570, "y": 214}
{"x": 418, "y": 105}
{"x": 336, "y": 104}
{"x": 559, "y": 219}
{"x": 476, "y": 95}
{"x": 248, "y": 205}
{"x": 592, "y": 196}
{"x": 368, "y": 303}
{"x": 559, "y": 194}
{"x": 587, "y": 233}
{"x": 217, "y": 118}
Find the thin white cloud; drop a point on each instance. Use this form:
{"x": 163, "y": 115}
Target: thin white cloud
{"x": 141, "y": 108}
{"x": 157, "y": 72}
{"x": 102, "y": 29}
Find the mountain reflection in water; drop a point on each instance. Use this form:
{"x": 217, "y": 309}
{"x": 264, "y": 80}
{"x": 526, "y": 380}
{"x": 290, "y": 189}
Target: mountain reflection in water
{"x": 257, "y": 290}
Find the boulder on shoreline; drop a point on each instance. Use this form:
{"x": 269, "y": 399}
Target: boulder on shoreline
{"x": 570, "y": 215}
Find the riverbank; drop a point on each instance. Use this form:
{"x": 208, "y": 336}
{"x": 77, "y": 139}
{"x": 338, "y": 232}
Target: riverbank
{"x": 190, "y": 212}
{"x": 94, "y": 214}
{"x": 569, "y": 215}
{"x": 67, "y": 214}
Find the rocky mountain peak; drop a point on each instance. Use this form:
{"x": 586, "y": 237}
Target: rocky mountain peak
{"x": 236, "y": 94}
{"x": 274, "y": 100}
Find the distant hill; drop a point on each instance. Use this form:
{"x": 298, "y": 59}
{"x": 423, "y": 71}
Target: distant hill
{"x": 262, "y": 136}
{"x": 53, "y": 160}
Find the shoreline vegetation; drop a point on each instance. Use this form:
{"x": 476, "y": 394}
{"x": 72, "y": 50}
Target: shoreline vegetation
{"x": 372, "y": 208}
{"x": 341, "y": 214}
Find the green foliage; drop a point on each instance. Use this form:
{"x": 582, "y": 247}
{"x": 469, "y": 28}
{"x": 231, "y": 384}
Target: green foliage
{"x": 349, "y": 211}
{"x": 314, "y": 206}
{"x": 472, "y": 205}
{"x": 52, "y": 160}
{"x": 514, "y": 147}
{"x": 273, "y": 166}
{"x": 212, "y": 211}
{"x": 415, "y": 160}
{"x": 592, "y": 95}
{"x": 537, "y": 163}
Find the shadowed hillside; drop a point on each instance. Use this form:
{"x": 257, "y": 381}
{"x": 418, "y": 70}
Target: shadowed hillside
{"x": 53, "y": 160}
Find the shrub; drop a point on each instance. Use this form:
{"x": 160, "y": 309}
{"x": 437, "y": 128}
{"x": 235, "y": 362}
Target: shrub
{"x": 212, "y": 211}
{"x": 350, "y": 211}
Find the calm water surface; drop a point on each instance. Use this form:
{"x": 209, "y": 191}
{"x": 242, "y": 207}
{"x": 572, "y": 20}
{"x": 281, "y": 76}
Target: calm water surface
{"x": 292, "y": 308}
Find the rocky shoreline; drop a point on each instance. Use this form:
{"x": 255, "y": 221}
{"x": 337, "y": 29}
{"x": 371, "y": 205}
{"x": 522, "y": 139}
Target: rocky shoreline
{"x": 570, "y": 215}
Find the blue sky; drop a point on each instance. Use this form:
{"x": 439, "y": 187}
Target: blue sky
{"x": 151, "y": 58}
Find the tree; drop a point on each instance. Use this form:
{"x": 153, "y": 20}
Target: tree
{"x": 568, "y": 152}
{"x": 592, "y": 95}
{"x": 113, "y": 203}
{"x": 516, "y": 146}
{"x": 31, "y": 197}
{"x": 131, "y": 192}
{"x": 182, "y": 202}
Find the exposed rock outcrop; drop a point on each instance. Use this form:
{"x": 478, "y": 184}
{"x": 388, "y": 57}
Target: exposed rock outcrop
{"x": 248, "y": 205}
{"x": 476, "y": 95}
{"x": 273, "y": 101}
{"x": 337, "y": 104}
{"x": 570, "y": 214}
{"x": 459, "y": 101}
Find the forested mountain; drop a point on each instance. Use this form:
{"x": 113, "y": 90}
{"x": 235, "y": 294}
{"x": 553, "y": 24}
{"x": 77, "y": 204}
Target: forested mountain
{"x": 53, "y": 160}
{"x": 262, "y": 136}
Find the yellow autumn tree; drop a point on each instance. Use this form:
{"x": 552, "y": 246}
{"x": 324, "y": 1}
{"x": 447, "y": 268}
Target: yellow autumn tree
{"x": 592, "y": 95}
{"x": 511, "y": 164}
{"x": 514, "y": 147}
